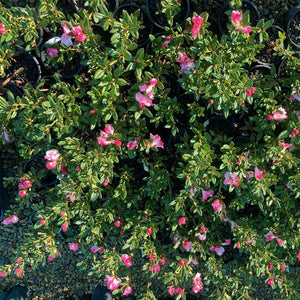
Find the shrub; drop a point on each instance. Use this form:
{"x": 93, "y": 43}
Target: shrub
{"x": 202, "y": 205}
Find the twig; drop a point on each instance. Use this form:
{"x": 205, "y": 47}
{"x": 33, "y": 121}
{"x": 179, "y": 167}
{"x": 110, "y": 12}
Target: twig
{"x": 7, "y": 80}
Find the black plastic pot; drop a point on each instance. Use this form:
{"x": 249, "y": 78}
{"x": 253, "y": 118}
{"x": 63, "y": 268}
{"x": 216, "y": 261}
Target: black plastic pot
{"x": 37, "y": 163}
{"x": 259, "y": 70}
{"x": 266, "y": 55}
{"x": 144, "y": 18}
{"x": 67, "y": 70}
{"x": 293, "y": 26}
{"x": 160, "y": 20}
{"x": 246, "y": 5}
{"x": 25, "y": 69}
{"x": 68, "y": 7}
{"x": 221, "y": 126}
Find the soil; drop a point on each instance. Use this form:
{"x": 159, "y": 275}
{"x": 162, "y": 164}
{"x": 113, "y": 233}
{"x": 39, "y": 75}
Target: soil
{"x": 294, "y": 30}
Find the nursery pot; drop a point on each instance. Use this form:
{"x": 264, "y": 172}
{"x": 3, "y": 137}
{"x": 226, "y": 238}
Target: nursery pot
{"x": 293, "y": 26}
{"x": 266, "y": 55}
{"x": 144, "y": 18}
{"x": 68, "y": 7}
{"x": 259, "y": 70}
{"x": 67, "y": 70}
{"x": 159, "y": 19}
{"x": 37, "y": 163}
{"x": 24, "y": 69}
{"x": 220, "y": 125}
{"x": 246, "y": 5}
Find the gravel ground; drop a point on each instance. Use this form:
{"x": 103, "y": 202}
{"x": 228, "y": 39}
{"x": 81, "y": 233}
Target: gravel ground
{"x": 61, "y": 279}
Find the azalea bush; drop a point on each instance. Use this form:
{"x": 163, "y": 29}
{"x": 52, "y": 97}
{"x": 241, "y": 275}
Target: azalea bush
{"x": 179, "y": 163}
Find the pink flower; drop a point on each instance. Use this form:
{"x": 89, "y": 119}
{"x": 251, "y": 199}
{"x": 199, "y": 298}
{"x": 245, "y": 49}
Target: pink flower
{"x": 166, "y": 42}
{"x": 270, "y": 236}
{"x": 251, "y": 174}
{"x": 295, "y": 132}
{"x": 156, "y": 268}
{"x": 207, "y": 194}
{"x": 227, "y": 242}
{"x": 112, "y": 282}
{"x": 231, "y": 179}
{"x": 182, "y": 221}
{"x": 171, "y": 290}
{"x": 182, "y": 57}
{"x": 73, "y": 246}
{"x": 19, "y": 259}
{"x": 143, "y": 100}
{"x": 202, "y": 229}
{"x": 258, "y": 174}
{"x": 249, "y": 93}
{"x": 3, "y": 273}
{"x": 52, "y": 155}
{"x": 279, "y": 241}
{"x": 270, "y": 267}
{"x": 64, "y": 169}
{"x": 181, "y": 263}
{"x": 127, "y": 291}
{"x": 187, "y": 246}
{"x": 179, "y": 290}
{"x": 185, "y": 62}
{"x": 217, "y": 205}
{"x": 197, "y": 288}
{"x": 42, "y": 222}
{"x": 24, "y": 183}
{"x": 193, "y": 190}
{"x": 219, "y": 250}
{"x": 151, "y": 256}
{"x": 103, "y": 142}
{"x": 279, "y": 114}
{"x": 92, "y": 111}
{"x": 66, "y": 40}
{"x": 95, "y": 249}
{"x": 19, "y": 272}
{"x": 153, "y": 81}
{"x": 50, "y": 258}
{"x": 106, "y": 182}
{"x": 149, "y": 230}
{"x": 53, "y": 52}
{"x": 202, "y": 237}
{"x": 298, "y": 256}
{"x": 132, "y": 144}
{"x": 77, "y": 31}
{"x": 197, "y": 279}
{"x": 295, "y": 97}
{"x": 65, "y": 28}
{"x": 51, "y": 165}
{"x": 236, "y": 16}
{"x": 2, "y": 29}
{"x": 197, "y": 22}
{"x": 22, "y": 193}
{"x": 117, "y": 223}
{"x": 64, "y": 226}
{"x": 163, "y": 261}
{"x": 238, "y": 245}
{"x": 247, "y": 30}
{"x": 285, "y": 145}
{"x": 126, "y": 259}
{"x": 283, "y": 267}
{"x": 271, "y": 281}
{"x": 72, "y": 196}
{"x": 10, "y": 220}
{"x": 156, "y": 141}
{"x": 249, "y": 241}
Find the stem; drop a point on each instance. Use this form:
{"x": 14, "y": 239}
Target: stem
{"x": 7, "y": 80}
